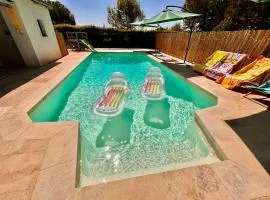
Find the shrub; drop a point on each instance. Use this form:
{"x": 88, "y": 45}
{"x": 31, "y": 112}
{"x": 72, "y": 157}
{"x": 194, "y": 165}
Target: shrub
{"x": 112, "y": 37}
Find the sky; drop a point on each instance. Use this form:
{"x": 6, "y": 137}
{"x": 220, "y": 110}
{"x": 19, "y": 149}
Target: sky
{"x": 94, "y": 12}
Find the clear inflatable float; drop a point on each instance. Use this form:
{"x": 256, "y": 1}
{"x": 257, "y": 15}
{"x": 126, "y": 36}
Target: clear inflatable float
{"x": 153, "y": 87}
{"x": 115, "y": 94}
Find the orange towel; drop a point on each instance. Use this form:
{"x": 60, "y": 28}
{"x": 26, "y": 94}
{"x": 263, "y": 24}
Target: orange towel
{"x": 249, "y": 73}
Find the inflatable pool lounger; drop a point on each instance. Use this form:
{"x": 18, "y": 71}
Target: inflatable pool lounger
{"x": 113, "y": 101}
{"x": 153, "y": 87}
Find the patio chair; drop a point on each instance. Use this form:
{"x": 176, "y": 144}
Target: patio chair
{"x": 75, "y": 45}
{"x": 230, "y": 64}
{"x": 211, "y": 61}
{"x": 254, "y": 73}
{"x": 263, "y": 89}
{"x": 75, "y": 40}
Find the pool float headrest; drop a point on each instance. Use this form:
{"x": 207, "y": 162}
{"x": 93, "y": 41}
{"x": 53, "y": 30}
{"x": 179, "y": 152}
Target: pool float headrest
{"x": 154, "y": 69}
{"x": 117, "y": 75}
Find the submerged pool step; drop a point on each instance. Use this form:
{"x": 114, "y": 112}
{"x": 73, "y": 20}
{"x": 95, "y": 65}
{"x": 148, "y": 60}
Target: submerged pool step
{"x": 116, "y": 130}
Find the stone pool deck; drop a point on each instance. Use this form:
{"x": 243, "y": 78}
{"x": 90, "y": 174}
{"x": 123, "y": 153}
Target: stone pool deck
{"x": 38, "y": 160}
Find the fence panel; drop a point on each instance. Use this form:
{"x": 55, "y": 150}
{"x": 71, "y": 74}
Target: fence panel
{"x": 203, "y": 44}
{"x": 61, "y": 43}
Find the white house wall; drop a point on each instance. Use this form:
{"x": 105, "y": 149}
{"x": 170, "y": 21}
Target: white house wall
{"x": 46, "y": 48}
{"x": 21, "y": 40}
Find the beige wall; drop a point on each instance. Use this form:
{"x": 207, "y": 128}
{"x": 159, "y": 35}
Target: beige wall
{"x": 35, "y": 49}
{"x": 22, "y": 40}
{"x": 46, "y": 48}
{"x": 10, "y": 57}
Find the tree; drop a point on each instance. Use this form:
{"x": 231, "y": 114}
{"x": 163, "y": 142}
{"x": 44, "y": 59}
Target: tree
{"x": 60, "y": 14}
{"x": 228, "y": 15}
{"x": 243, "y": 14}
{"x": 176, "y": 27}
{"x": 212, "y": 13}
{"x": 125, "y": 12}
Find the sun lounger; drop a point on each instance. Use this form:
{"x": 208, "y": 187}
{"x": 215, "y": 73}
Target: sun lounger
{"x": 113, "y": 101}
{"x": 252, "y": 73}
{"x": 164, "y": 58}
{"x": 264, "y": 88}
{"x": 228, "y": 65}
{"x": 153, "y": 87}
{"x": 211, "y": 61}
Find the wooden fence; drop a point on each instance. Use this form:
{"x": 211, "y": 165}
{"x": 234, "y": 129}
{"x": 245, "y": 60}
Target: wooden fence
{"x": 61, "y": 43}
{"x": 203, "y": 44}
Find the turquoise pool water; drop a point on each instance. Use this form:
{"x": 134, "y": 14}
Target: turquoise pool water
{"x": 148, "y": 137}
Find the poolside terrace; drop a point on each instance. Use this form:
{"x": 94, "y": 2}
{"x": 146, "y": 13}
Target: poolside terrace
{"x": 38, "y": 160}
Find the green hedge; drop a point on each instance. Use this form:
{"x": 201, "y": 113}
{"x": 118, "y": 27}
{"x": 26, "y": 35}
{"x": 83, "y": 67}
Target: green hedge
{"x": 91, "y": 28}
{"x": 112, "y": 37}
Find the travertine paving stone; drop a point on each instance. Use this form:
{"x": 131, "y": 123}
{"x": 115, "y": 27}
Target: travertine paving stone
{"x": 39, "y": 160}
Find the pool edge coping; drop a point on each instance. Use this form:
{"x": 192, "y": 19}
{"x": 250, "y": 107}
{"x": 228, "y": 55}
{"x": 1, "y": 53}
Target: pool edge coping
{"x": 21, "y": 131}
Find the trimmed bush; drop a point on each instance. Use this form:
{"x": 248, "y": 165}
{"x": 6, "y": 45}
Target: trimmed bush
{"x": 111, "y": 37}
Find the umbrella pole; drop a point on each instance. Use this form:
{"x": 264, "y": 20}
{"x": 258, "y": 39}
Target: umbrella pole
{"x": 189, "y": 37}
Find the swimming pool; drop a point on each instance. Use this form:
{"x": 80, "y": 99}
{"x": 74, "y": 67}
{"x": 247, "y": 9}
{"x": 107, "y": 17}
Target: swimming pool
{"x": 147, "y": 137}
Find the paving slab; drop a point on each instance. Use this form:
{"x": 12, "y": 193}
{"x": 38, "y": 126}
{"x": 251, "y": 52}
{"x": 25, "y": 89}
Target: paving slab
{"x": 39, "y": 160}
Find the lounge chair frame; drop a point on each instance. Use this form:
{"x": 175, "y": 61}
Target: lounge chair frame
{"x": 74, "y": 39}
{"x": 264, "y": 78}
{"x": 255, "y": 101}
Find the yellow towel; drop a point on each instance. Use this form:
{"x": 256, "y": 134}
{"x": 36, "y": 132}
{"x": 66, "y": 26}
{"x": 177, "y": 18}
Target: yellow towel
{"x": 211, "y": 61}
{"x": 248, "y": 73}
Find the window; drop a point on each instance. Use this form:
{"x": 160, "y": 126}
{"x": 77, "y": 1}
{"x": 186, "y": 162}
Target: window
{"x": 42, "y": 28}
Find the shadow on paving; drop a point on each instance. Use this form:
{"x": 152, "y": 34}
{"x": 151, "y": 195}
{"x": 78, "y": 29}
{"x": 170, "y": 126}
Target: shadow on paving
{"x": 254, "y": 131}
{"x": 263, "y": 100}
{"x": 184, "y": 70}
{"x": 11, "y": 79}
{"x": 255, "y": 96}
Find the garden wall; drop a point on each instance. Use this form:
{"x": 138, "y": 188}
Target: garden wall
{"x": 203, "y": 44}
